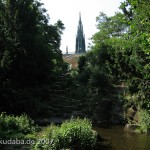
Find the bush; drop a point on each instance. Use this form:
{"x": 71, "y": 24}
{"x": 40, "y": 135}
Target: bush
{"x": 75, "y": 133}
{"x": 15, "y": 127}
{"x": 144, "y": 120}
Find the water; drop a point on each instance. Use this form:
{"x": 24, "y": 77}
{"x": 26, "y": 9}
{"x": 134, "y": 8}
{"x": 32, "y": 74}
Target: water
{"x": 121, "y": 140}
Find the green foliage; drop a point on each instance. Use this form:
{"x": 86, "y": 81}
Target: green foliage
{"x": 89, "y": 70}
{"x": 31, "y": 45}
{"x": 138, "y": 34}
{"x": 80, "y": 133}
{"x": 120, "y": 52}
{"x": 15, "y": 127}
{"x": 73, "y": 73}
{"x": 29, "y": 53}
{"x": 75, "y": 133}
{"x": 144, "y": 120}
{"x": 81, "y": 63}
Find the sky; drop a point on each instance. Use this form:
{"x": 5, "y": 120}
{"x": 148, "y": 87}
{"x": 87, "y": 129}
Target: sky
{"x": 68, "y": 12}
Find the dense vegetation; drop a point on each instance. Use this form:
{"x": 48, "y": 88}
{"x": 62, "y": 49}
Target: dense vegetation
{"x": 12, "y": 127}
{"x": 30, "y": 57}
{"x": 120, "y": 56}
{"x": 112, "y": 77}
{"x": 75, "y": 134}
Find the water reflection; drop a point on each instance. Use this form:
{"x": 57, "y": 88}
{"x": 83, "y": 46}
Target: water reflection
{"x": 121, "y": 140}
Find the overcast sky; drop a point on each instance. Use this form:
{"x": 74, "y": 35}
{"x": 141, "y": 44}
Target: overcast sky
{"x": 68, "y": 12}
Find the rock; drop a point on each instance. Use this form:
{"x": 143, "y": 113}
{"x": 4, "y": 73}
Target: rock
{"x": 132, "y": 128}
{"x": 136, "y": 117}
{"x": 130, "y": 113}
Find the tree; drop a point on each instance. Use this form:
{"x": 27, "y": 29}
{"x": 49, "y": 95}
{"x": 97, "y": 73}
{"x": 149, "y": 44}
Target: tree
{"x": 120, "y": 52}
{"x": 139, "y": 35}
{"x": 29, "y": 48}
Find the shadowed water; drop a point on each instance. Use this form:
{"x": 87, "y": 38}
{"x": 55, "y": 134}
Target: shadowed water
{"x": 121, "y": 140}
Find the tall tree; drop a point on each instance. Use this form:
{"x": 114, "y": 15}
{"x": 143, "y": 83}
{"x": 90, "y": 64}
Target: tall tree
{"x": 121, "y": 48}
{"x": 139, "y": 33}
{"x": 29, "y": 46}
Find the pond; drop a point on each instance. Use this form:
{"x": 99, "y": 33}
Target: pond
{"x": 121, "y": 140}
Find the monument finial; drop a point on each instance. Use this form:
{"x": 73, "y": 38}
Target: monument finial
{"x": 80, "y": 15}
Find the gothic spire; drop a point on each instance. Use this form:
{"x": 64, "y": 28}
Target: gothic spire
{"x": 80, "y": 38}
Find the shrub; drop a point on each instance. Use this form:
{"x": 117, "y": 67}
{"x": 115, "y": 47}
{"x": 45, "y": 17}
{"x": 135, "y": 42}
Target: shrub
{"x": 15, "y": 127}
{"x": 80, "y": 133}
{"x": 144, "y": 120}
{"x": 75, "y": 133}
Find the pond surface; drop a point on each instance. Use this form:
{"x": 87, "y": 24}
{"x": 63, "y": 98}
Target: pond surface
{"x": 121, "y": 140}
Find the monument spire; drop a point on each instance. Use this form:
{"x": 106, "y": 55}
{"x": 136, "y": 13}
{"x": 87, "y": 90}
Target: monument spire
{"x": 80, "y": 38}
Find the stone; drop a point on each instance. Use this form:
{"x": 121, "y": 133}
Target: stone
{"x": 132, "y": 128}
{"x": 136, "y": 117}
{"x": 130, "y": 113}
